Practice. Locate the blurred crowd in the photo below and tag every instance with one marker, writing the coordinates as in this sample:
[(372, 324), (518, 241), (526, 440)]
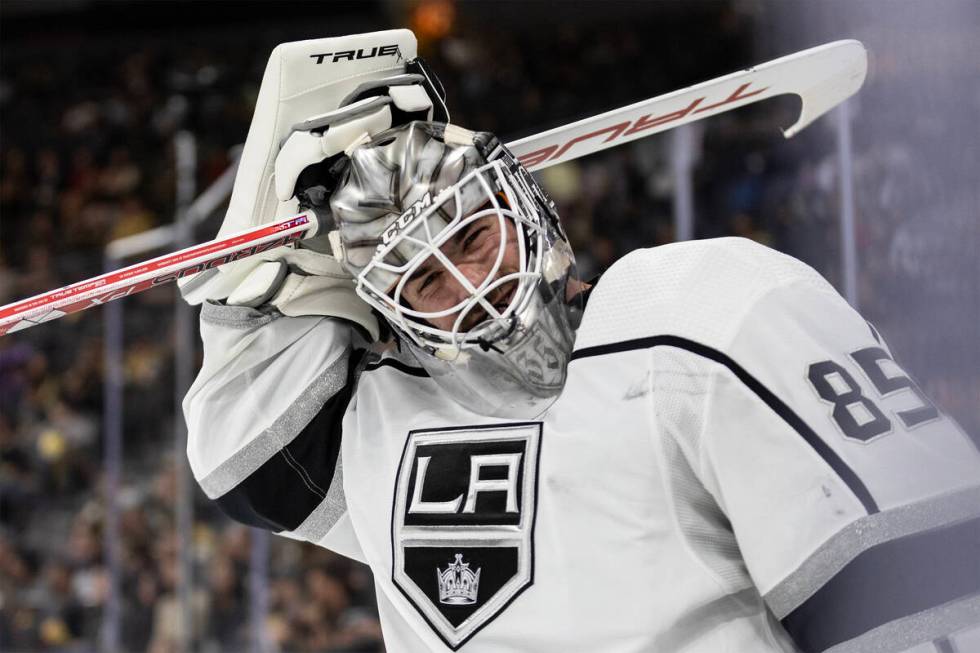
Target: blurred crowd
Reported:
[(86, 157), (54, 593)]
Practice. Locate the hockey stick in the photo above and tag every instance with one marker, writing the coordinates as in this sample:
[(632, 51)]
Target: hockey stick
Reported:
[(155, 272), (823, 77)]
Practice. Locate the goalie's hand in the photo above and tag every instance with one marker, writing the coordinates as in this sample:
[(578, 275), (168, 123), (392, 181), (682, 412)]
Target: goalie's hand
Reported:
[(310, 153), (305, 281), (309, 279)]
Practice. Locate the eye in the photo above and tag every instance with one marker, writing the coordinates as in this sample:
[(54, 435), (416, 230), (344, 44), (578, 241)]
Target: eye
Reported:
[(472, 238), (428, 280)]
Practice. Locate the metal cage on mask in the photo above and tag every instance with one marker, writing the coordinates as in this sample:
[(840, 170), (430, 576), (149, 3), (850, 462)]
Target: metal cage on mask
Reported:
[(400, 203), (490, 191)]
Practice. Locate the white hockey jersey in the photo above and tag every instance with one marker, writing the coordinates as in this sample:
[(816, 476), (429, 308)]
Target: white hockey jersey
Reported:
[(736, 464)]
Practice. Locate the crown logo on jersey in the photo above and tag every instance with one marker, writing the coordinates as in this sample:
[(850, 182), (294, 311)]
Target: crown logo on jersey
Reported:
[(458, 584)]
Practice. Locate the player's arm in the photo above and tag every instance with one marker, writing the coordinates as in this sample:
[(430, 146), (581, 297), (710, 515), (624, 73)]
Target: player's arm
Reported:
[(266, 410), (283, 333), (854, 501)]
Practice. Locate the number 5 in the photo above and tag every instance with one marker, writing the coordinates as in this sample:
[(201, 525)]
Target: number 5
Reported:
[(845, 401)]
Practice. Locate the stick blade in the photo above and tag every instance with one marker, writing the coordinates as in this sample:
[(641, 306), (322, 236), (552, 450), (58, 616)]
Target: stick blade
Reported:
[(838, 70), (823, 77)]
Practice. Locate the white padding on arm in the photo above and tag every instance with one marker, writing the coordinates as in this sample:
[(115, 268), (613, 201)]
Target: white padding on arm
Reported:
[(260, 285), (325, 295), (305, 282)]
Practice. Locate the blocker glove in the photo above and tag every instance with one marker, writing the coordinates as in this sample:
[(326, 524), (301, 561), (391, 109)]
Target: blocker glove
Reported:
[(286, 168)]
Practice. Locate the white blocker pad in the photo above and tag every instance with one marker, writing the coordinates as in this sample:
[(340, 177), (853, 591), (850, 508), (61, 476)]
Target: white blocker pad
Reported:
[(302, 79)]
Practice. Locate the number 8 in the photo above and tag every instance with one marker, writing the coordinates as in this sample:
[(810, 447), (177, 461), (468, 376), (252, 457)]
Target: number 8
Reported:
[(819, 374), (869, 360)]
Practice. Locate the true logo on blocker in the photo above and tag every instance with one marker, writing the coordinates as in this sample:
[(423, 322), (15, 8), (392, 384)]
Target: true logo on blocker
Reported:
[(463, 523)]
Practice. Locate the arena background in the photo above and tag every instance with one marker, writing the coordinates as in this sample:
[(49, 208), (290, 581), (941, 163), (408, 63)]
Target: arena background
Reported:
[(117, 115)]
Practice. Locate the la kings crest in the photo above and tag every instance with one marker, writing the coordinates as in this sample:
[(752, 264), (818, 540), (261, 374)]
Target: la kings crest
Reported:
[(462, 526)]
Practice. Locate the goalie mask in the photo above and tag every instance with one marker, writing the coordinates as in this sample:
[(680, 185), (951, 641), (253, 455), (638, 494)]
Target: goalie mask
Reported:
[(452, 241)]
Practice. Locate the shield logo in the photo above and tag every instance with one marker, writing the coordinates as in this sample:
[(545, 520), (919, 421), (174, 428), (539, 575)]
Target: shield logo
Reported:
[(463, 523)]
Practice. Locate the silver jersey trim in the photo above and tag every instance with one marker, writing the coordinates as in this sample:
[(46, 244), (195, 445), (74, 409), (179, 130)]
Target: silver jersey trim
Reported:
[(925, 626), (319, 522), (241, 464), (235, 317), (863, 534)]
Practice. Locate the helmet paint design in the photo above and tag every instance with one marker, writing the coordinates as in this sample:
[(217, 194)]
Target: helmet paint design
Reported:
[(403, 198)]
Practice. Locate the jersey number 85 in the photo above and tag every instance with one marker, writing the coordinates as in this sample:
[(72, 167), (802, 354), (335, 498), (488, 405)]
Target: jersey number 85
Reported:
[(857, 415)]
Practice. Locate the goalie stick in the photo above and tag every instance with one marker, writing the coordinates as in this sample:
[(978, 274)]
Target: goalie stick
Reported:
[(822, 77)]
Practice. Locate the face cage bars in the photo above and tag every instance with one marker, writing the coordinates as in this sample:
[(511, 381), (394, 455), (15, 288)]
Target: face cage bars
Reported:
[(529, 250)]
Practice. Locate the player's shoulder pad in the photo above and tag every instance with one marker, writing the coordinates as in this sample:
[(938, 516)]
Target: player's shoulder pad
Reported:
[(698, 289)]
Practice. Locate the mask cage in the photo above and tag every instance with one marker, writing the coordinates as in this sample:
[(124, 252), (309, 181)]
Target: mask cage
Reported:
[(492, 190)]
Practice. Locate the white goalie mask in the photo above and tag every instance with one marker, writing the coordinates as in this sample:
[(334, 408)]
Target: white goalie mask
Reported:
[(408, 206)]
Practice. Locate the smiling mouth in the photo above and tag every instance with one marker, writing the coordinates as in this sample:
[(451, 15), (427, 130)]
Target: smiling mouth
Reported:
[(503, 302), (500, 300)]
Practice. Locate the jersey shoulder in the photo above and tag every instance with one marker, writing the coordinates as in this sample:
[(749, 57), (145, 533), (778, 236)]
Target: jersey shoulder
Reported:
[(697, 289)]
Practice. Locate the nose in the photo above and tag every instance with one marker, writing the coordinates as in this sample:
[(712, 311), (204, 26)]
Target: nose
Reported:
[(475, 272)]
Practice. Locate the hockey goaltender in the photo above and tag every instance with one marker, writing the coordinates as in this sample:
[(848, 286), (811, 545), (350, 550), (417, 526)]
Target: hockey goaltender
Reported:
[(706, 450)]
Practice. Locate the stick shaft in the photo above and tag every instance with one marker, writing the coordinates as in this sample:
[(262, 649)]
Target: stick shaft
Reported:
[(155, 272)]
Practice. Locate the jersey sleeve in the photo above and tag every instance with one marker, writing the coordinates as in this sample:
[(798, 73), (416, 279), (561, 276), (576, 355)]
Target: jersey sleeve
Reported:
[(264, 421), (854, 500)]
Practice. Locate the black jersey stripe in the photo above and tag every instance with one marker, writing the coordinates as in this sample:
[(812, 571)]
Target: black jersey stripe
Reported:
[(398, 365), (843, 471), (290, 485), (864, 533), (888, 582)]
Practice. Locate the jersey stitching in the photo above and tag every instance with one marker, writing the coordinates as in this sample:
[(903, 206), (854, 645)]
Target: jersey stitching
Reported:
[(237, 467), (708, 405), (725, 587), (719, 581), (242, 318), (835, 462), (301, 473), (309, 477)]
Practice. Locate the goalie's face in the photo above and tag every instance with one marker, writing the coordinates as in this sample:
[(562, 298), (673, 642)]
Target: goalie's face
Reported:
[(458, 248), (434, 288), (452, 270)]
